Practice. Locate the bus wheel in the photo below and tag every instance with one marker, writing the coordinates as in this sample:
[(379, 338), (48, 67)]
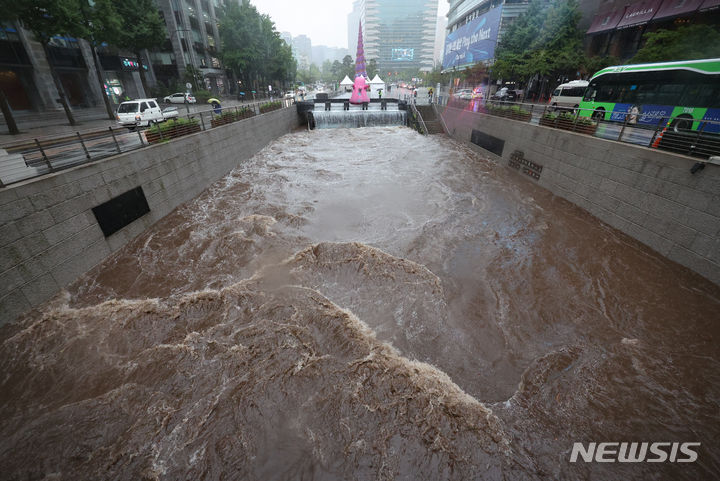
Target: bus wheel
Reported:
[(682, 124), (599, 114)]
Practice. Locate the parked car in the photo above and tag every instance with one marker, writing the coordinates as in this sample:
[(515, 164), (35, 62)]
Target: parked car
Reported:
[(180, 98), (170, 113), (138, 113), (465, 94), (289, 95), (507, 94)]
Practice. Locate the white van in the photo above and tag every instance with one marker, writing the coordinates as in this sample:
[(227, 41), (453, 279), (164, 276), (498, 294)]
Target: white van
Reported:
[(139, 113), (568, 96)]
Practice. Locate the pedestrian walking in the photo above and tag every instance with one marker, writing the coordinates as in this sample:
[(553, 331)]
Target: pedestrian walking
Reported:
[(430, 95), (215, 105)]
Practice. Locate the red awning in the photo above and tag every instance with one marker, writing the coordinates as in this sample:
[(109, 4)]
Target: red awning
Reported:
[(709, 5), (639, 13), (674, 8), (606, 21)]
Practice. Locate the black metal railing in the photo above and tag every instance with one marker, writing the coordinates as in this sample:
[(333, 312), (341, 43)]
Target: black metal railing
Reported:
[(415, 119), (681, 134), (42, 156)]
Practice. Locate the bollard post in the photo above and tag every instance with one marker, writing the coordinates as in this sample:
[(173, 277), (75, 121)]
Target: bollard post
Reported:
[(697, 138), (45, 157), (622, 131), (117, 146), (87, 154), (577, 114)]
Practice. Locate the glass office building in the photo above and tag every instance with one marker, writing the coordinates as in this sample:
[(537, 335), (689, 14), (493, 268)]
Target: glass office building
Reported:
[(465, 14), (399, 34)]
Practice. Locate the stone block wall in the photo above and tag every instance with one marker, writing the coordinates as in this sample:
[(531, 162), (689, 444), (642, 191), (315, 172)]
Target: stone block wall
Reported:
[(49, 235), (646, 193)]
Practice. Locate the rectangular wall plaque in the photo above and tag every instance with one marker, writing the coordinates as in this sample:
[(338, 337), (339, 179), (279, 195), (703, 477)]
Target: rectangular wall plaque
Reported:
[(120, 211), (528, 167)]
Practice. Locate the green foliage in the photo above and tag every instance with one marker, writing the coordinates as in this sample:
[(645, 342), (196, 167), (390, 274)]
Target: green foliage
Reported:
[(202, 96), (142, 26), (545, 42), (595, 64), (47, 18), (252, 48), (513, 111), (310, 75), (567, 117), (436, 76), (348, 68), (372, 68), (268, 106), (232, 115), (171, 124), (686, 43), (102, 22), (192, 76)]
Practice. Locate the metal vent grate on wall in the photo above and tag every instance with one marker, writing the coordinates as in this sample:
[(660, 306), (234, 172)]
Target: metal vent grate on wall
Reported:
[(120, 211), (488, 142)]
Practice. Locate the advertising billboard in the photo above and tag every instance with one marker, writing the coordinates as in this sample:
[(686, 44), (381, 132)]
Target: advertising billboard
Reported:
[(474, 41), (403, 54)]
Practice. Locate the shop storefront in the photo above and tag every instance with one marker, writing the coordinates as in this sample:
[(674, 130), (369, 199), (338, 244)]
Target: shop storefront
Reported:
[(120, 80)]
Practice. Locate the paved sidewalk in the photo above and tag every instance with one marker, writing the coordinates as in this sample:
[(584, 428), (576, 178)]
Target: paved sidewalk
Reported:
[(53, 124)]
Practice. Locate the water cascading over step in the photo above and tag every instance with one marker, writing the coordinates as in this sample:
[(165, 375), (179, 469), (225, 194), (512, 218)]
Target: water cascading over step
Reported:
[(359, 118)]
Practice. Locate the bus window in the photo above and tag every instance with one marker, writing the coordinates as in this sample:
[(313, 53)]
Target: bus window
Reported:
[(669, 94), (646, 93), (590, 93), (701, 95), (607, 93)]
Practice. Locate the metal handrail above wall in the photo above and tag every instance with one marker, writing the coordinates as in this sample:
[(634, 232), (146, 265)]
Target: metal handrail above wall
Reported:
[(43, 156)]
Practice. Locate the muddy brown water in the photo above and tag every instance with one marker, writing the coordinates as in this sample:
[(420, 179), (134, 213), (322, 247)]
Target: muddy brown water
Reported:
[(365, 304)]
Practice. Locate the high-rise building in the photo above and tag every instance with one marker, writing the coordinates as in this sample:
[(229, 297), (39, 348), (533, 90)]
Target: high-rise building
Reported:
[(193, 40), (302, 48), (439, 40), (474, 27), (353, 19), (399, 34), (321, 53)]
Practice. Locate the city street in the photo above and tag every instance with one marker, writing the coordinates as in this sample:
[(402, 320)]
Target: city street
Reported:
[(46, 125)]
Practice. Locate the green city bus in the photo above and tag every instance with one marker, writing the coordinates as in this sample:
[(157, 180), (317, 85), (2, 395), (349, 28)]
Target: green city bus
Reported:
[(651, 94)]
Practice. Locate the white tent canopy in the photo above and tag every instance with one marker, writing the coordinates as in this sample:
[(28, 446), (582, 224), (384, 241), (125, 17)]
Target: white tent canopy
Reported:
[(376, 84), (346, 81)]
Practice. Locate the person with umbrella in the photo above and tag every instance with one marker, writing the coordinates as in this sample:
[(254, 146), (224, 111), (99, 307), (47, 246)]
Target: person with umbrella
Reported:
[(215, 104)]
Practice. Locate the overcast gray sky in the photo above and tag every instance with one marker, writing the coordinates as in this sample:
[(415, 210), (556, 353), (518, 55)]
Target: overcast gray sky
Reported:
[(325, 22)]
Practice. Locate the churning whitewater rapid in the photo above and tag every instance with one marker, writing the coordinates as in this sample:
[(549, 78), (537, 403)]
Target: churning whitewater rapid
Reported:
[(365, 304)]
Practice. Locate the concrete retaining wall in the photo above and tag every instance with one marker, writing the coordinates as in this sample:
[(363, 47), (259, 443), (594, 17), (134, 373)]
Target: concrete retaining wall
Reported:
[(48, 233), (646, 193)]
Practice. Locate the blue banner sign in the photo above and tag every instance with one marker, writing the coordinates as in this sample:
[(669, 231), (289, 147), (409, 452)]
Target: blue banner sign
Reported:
[(474, 41), (646, 114), (714, 115)]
